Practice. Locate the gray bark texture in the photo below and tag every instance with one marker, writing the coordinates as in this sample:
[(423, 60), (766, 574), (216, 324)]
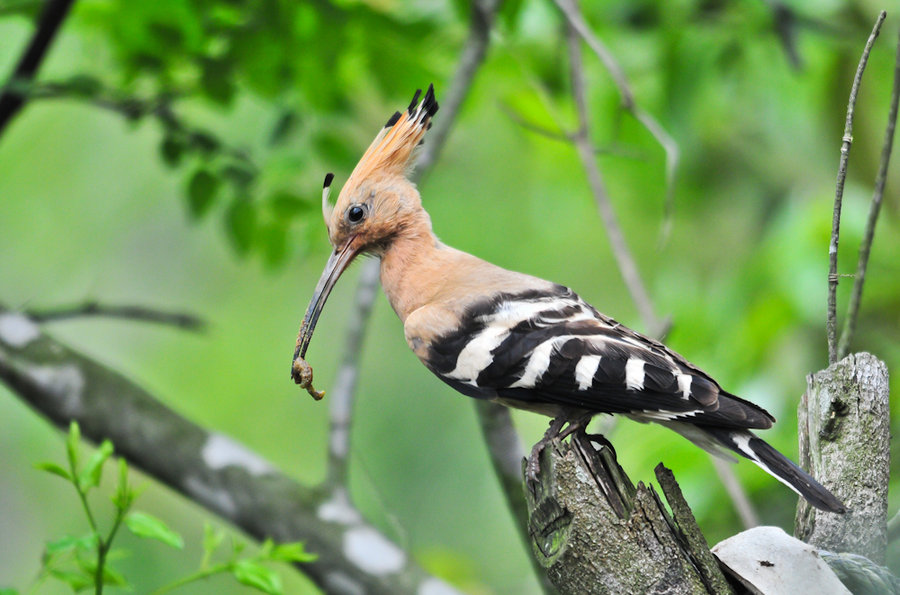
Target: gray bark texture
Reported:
[(209, 468), (845, 444), (595, 532)]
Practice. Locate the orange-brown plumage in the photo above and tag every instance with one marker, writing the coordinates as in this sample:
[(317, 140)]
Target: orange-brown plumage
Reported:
[(496, 334)]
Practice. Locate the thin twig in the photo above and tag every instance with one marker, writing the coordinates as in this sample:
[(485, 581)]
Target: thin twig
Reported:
[(581, 139), (181, 320), (574, 18), (482, 20), (496, 424), (472, 57), (51, 19), (565, 137), (846, 142), (516, 117), (628, 268), (736, 492), (341, 396), (874, 209)]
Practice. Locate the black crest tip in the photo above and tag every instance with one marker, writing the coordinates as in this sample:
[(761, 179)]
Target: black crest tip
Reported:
[(392, 120), (328, 179), (415, 100), (429, 103)]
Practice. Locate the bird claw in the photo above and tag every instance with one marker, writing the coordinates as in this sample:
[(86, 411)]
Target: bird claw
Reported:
[(533, 465), (302, 373)]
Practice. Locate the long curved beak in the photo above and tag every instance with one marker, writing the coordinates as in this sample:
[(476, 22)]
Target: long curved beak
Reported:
[(337, 264)]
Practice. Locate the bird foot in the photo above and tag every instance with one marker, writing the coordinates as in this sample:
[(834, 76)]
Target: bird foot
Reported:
[(553, 433)]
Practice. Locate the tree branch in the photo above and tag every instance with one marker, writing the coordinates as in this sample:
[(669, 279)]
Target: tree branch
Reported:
[(11, 101), (341, 397), (846, 142), (845, 443), (504, 448), (565, 137), (575, 20), (142, 313), (625, 261), (582, 141), (595, 531), (209, 468), (874, 209)]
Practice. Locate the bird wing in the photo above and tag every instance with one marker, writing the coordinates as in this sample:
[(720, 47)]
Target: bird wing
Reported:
[(549, 348)]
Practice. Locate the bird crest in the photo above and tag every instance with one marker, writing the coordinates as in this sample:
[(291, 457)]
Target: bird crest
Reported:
[(393, 151)]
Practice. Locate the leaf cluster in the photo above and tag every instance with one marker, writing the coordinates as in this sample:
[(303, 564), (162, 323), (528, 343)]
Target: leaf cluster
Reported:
[(82, 561)]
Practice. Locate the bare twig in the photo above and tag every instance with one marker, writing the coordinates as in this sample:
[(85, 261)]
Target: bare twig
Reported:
[(181, 320), (573, 16), (516, 117), (133, 108), (582, 141), (874, 209), (482, 20), (655, 326), (496, 423), (473, 55), (565, 137), (846, 141), (51, 19), (736, 492), (341, 396)]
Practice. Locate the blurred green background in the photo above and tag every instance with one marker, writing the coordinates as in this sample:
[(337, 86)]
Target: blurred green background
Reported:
[(219, 216)]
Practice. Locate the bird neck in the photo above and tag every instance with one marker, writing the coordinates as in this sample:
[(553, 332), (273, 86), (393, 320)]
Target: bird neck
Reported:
[(411, 266)]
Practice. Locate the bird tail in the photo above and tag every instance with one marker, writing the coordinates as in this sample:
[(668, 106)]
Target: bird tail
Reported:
[(749, 445)]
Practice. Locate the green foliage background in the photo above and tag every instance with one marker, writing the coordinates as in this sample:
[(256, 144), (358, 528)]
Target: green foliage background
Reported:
[(176, 159)]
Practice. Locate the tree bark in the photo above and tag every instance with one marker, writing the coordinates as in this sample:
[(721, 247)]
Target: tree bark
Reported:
[(595, 532), (845, 443), (209, 468)]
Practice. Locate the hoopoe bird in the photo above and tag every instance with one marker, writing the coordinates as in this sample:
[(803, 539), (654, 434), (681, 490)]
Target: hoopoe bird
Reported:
[(495, 334)]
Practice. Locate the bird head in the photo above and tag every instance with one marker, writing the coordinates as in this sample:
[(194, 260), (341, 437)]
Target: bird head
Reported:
[(374, 205)]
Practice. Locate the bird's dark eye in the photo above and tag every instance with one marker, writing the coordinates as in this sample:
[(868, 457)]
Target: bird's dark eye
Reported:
[(356, 213)]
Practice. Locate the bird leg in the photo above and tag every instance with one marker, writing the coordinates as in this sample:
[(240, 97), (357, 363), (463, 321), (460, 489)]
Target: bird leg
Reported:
[(554, 432)]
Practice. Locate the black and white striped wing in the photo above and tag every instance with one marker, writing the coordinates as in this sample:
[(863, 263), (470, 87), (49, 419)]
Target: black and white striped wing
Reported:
[(550, 349)]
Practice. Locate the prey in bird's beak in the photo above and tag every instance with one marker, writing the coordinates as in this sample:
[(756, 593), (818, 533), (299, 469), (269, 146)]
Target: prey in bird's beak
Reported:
[(372, 203), (337, 263)]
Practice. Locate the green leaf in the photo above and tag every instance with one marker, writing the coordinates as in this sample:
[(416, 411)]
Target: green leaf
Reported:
[(202, 191), (124, 496), (287, 122), (240, 173), (69, 542), (285, 205), (148, 526), (54, 469), (77, 580), (113, 577), (212, 538), (240, 223), (84, 85), (254, 574), (291, 552), (72, 443), (171, 149), (273, 239), (93, 469), (204, 141), (4, 591), (217, 79)]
